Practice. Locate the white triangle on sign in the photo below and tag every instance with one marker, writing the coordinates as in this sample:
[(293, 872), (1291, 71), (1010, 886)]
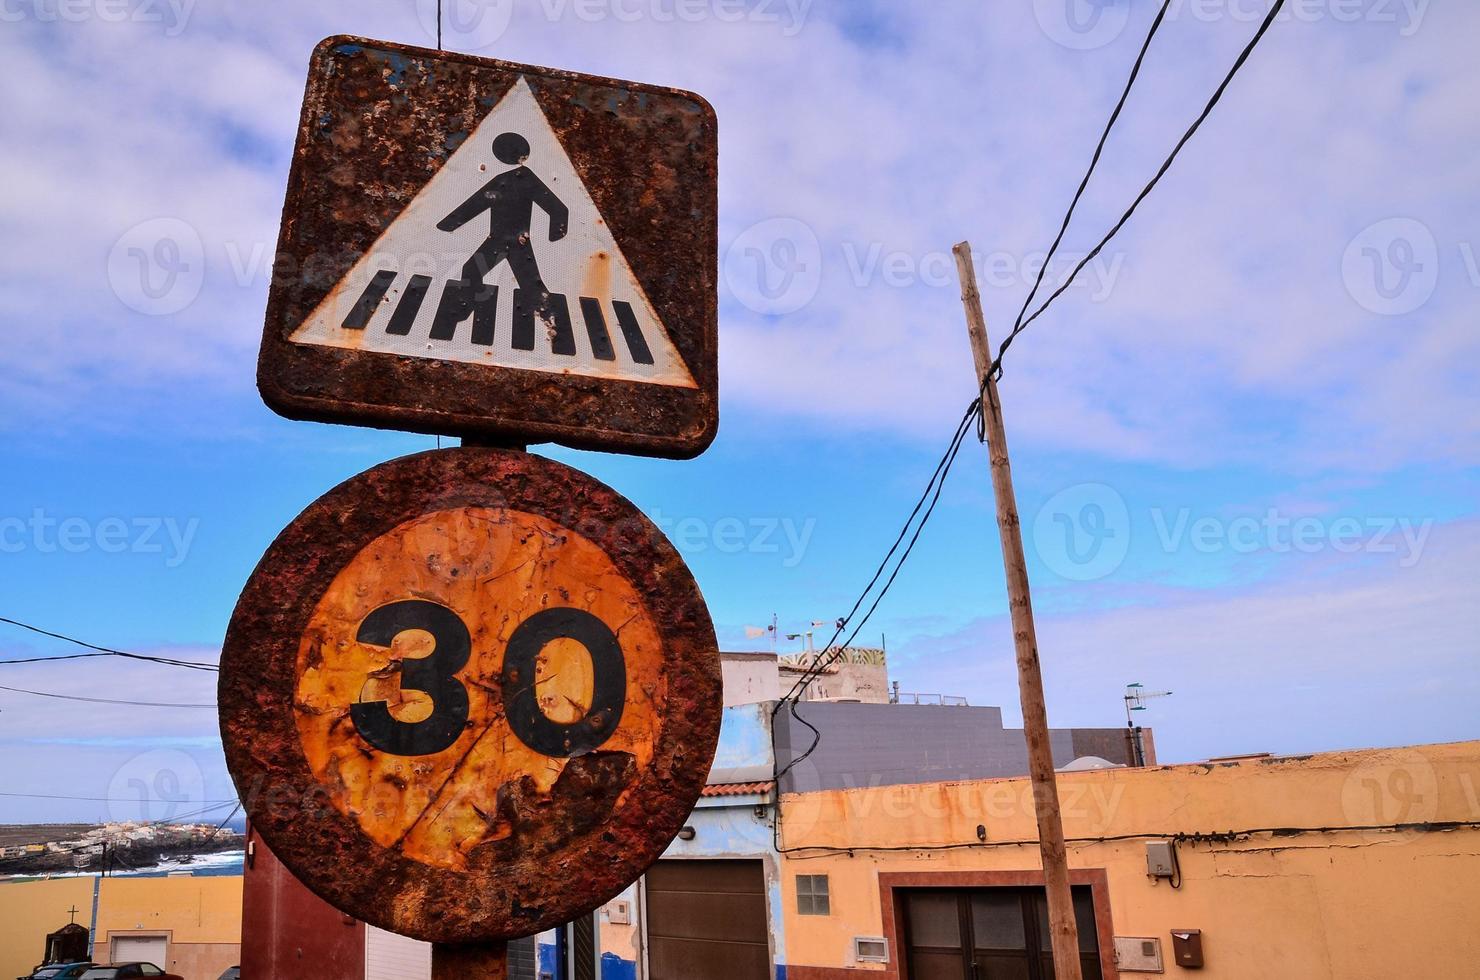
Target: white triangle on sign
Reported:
[(469, 271)]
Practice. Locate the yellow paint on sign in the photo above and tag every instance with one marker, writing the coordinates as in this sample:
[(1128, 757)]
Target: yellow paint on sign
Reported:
[(494, 568)]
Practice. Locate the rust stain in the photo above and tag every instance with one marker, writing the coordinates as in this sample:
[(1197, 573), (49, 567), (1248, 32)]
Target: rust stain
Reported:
[(597, 282)]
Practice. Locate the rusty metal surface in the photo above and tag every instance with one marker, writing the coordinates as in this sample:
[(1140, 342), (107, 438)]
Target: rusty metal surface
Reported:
[(379, 120), (494, 834)]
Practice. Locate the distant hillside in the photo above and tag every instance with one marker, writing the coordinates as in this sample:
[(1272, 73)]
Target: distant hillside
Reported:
[(16, 834)]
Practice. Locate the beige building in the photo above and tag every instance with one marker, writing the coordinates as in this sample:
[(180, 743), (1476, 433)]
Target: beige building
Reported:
[(1359, 865), (186, 925), (859, 674), (1346, 866)]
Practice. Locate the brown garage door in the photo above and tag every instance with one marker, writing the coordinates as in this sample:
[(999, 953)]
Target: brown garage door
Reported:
[(706, 920)]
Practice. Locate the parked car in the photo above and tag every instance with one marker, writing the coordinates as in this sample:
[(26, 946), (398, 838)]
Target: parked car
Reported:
[(58, 971), (128, 971), (231, 973)]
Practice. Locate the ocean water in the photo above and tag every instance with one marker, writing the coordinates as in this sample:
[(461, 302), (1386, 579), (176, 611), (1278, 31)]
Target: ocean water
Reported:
[(220, 864)]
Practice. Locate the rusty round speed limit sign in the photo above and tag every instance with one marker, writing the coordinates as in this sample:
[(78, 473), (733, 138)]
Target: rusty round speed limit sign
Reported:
[(469, 695)]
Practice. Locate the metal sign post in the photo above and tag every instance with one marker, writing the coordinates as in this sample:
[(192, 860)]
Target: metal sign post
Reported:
[(1062, 927)]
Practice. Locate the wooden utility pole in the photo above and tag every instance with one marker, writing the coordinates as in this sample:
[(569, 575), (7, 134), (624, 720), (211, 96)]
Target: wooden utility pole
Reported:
[(1062, 928)]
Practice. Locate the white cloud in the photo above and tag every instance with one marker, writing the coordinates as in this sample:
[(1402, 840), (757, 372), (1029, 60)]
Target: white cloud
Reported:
[(907, 133), (1325, 653)]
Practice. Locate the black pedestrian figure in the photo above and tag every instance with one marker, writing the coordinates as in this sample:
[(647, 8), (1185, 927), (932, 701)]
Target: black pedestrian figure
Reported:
[(510, 199)]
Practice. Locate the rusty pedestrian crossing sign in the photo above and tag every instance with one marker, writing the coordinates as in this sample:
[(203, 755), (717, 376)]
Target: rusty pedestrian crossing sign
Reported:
[(483, 249)]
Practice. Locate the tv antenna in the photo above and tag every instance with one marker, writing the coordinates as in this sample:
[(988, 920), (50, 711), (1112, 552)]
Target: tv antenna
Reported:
[(1136, 697)]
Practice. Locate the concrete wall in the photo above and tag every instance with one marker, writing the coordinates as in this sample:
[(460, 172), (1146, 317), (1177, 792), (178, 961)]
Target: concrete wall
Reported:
[(1318, 905), (201, 916), (885, 744), (31, 909), (749, 678), (744, 751), (868, 683)]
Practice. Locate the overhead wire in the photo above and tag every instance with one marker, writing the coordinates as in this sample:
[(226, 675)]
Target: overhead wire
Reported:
[(1094, 161), (214, 804), (932, 491), (1023, 323), (78, 697), (1180, 837), (937, 480), (217, 829), (922, 510), (100, 651)]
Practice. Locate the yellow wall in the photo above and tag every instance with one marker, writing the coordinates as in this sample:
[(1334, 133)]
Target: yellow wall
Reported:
[(29, 910), (201, 916), (1343, 906), (193, 910)]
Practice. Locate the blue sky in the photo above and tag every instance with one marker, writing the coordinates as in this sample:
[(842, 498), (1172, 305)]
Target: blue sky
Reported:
[(1245, 446)]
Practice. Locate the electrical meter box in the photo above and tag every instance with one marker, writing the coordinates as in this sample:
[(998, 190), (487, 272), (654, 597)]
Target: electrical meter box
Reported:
[(1160, 861), (1138, 954)]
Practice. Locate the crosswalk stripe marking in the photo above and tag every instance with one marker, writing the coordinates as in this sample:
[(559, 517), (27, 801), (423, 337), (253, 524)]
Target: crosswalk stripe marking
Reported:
[(601, 340), (409, 306), (636, 343), (525, 317), (362, 311), (459, 301), (485, 305)]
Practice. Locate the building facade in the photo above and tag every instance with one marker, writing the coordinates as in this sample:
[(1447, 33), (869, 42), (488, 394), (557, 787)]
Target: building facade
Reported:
[(186, 925), (1344, 866)]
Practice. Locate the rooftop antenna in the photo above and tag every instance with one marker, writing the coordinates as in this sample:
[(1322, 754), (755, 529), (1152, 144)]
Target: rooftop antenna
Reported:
[(1136, 697), (753, 632)]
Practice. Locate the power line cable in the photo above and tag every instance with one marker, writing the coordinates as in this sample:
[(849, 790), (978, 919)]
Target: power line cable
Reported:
[(946, 463), (937, 479), (212, 835), (1094, 161), (820, 663), (1023, 324), (100, 651), (1213, 837), (995, 369), (108, 799), (78, 697)]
